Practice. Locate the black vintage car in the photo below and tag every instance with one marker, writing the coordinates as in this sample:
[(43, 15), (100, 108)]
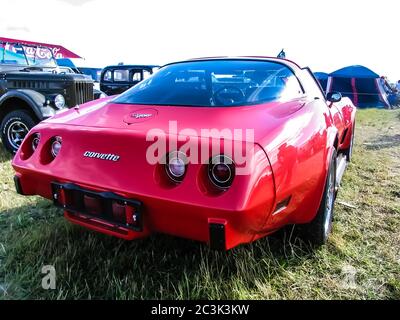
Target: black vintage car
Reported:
[(119, 78), (32, 88)]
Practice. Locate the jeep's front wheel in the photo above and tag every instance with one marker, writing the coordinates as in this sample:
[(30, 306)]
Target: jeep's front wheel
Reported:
[(14, 127)]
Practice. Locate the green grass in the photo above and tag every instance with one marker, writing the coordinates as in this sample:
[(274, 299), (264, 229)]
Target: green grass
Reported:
[(365, 242)]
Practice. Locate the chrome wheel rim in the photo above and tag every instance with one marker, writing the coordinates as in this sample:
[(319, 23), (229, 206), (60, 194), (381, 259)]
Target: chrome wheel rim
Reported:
[(16, 133), (330, 197)]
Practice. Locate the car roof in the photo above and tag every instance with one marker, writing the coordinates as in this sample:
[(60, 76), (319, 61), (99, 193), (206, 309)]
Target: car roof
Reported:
[(131, 66), (289, 63)]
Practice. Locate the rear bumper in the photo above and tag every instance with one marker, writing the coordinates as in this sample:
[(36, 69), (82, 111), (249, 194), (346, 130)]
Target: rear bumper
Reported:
[(222, 229)]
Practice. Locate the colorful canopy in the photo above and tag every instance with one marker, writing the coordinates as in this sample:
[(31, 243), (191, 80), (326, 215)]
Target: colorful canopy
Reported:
[(58, 51)]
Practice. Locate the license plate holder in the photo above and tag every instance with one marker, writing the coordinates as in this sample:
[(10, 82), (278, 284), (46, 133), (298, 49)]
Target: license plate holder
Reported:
[(72, 198)]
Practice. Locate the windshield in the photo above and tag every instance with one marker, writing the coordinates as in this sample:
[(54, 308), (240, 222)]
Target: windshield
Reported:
[(39, 56), (216, 83), (26, 55)]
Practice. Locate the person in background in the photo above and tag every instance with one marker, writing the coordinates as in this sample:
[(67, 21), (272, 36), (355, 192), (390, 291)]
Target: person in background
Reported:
[(397, 100), (282, 54), (390, 92), (386, 84)]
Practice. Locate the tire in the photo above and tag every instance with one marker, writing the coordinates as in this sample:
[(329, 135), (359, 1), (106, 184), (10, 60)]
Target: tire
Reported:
[(349, 151), (14, 127), (318, 230)]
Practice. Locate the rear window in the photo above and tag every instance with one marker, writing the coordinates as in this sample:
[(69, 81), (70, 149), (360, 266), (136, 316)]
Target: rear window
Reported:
[(121, 75), (216, 83)]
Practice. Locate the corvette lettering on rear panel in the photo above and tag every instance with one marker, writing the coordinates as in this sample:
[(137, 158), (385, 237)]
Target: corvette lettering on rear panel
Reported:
[(101, 156)]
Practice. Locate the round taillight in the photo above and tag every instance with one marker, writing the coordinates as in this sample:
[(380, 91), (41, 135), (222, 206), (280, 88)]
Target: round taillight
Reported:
[(35, 141), (55, 146), (221, 171), (176, 166)]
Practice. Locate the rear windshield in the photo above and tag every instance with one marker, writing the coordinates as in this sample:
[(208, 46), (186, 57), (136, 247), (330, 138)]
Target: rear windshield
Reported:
[(216, 83)]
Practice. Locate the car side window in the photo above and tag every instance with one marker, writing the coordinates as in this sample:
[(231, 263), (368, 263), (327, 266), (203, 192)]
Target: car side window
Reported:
[(121, 75), (146, 74), (136, 76), (311, 85), (108, 75)]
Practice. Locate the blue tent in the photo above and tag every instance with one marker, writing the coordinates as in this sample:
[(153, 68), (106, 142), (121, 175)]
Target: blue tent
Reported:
[(322, 78), (363, 86), (354, 72)]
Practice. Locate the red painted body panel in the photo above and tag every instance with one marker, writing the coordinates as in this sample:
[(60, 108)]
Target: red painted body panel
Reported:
[(292, 145)]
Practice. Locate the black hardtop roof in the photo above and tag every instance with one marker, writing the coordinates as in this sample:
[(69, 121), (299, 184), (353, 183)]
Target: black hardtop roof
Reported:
[(132, 66)]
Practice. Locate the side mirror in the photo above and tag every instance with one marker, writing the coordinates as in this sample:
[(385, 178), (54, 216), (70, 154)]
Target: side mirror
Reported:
[(334, 97)]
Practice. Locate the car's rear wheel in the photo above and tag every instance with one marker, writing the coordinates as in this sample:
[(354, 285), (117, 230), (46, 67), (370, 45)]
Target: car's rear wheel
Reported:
[(318, 230), (14, 127)]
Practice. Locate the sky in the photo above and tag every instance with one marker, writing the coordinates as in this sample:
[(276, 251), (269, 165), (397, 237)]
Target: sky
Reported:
[(324, 35)]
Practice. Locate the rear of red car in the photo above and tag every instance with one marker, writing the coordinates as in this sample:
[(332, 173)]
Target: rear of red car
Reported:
[(103, 180), (143, 162)]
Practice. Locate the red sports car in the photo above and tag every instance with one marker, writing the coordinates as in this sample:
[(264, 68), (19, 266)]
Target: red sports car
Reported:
[(220, 150)]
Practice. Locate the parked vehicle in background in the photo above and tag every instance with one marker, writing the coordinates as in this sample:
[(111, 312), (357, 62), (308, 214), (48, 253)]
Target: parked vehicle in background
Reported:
[(94, 73), (33, 88), (119, 78)]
